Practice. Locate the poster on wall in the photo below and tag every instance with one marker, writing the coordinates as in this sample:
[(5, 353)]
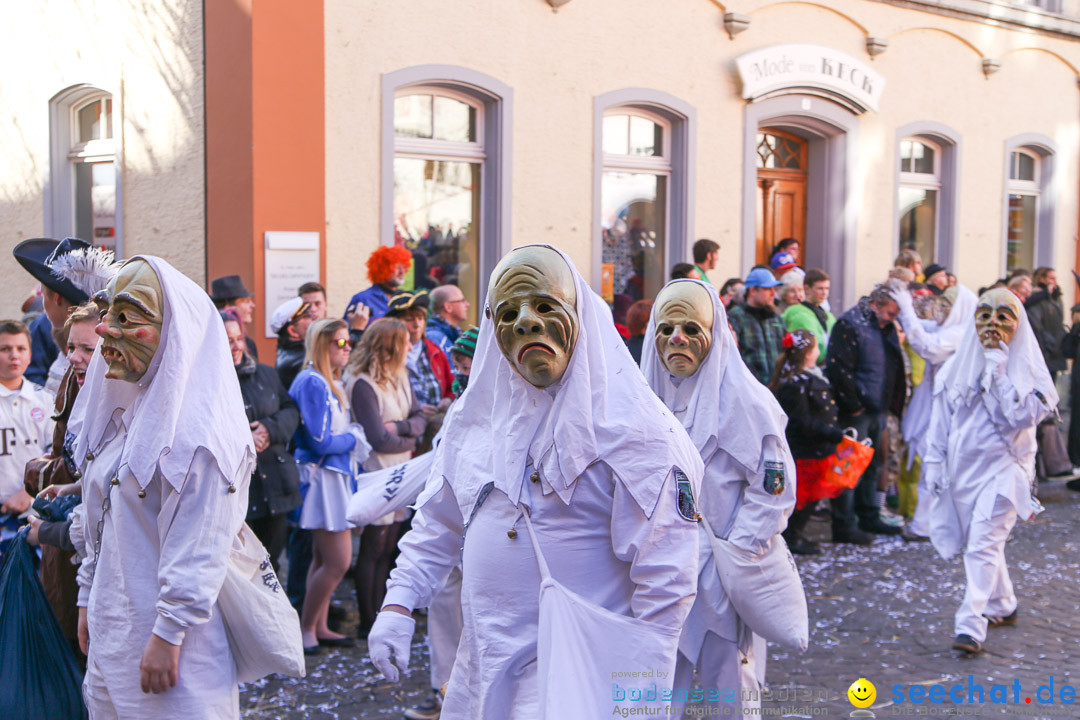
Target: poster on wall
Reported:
[(607, 282), (291, 259)]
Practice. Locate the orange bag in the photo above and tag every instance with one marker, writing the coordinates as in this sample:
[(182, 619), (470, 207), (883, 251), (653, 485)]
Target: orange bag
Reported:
[(829, 476)]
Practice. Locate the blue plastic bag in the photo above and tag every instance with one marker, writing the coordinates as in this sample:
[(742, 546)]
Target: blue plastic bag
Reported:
[(41, 679)]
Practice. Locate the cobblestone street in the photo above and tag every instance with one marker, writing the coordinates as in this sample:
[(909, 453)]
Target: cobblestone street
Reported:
[(884, 613)]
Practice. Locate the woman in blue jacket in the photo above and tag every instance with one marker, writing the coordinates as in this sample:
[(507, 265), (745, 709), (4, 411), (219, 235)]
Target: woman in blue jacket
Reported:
[(327, 444)]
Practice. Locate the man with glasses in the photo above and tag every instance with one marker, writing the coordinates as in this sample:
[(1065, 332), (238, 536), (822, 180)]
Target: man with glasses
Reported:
[(449, 309), (290, 321)]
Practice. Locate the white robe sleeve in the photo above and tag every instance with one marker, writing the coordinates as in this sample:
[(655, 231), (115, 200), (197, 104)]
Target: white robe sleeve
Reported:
[(1019, 412), (196, 528), (85, 550), (428, 552), (662, 552), (763, 514), (937, 435), (934, 348)]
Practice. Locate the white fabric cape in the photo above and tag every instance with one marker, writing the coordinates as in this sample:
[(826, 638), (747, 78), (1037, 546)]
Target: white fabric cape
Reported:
[(188, 399), (722, 405), (961, 375), (601, 411)]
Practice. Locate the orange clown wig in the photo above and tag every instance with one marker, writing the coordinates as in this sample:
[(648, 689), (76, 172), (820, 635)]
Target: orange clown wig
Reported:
[(381, 263)]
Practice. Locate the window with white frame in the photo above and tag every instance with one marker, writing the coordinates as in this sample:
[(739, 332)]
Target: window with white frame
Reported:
[(1022, 221), (634, 200), (920, 190), (83, 179), (439, 156)]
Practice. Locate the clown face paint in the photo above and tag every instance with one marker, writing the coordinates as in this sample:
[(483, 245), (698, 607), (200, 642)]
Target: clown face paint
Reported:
[(997, 317), (533, 302), (684, 320), (131, 309)]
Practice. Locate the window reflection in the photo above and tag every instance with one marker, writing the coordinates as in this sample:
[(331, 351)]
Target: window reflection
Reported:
[(436, 211), (633, 228), (918, 214), (1020, 241)]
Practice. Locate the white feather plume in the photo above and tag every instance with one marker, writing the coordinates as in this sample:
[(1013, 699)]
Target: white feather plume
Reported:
[(89, 269)]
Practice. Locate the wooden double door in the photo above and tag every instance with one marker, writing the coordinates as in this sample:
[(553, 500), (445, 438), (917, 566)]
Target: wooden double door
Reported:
[(781, 191)]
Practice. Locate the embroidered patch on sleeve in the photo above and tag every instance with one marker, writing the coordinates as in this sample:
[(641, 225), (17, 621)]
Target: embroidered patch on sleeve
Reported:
[(687, 505), (774, 477)]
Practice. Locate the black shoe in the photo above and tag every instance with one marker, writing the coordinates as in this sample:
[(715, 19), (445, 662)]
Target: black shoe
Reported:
[(878, 527), (912, 537), (338, 642), (799, 545), (967, 644), (855, 536), (1002, 620), (313, 650), (1073, 485)]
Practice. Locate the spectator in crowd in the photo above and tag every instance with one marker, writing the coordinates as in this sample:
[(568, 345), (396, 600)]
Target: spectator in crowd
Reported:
[(290, 322), (26, 425), (1020, 285), (429, 368), (683, 270), (273, 417), (809, 314), (70, 272), (866, 368), (781, 263), (386, 267), (813, 429), (327, 445), (937, 278), (52, 470), (314, 294), (732, 292), (705, 254), (791, 293), (462, 355), (758, 329), (228, 291), (637, 320), (910, 259), (449, 309), (788, 245), (1046, 314), (1070, 348), (384, 405), (951, 280)]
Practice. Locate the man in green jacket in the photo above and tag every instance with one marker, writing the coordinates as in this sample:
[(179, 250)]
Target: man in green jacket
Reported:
[(809, 314)]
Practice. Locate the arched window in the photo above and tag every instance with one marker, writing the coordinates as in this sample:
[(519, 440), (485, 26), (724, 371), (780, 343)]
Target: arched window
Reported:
[(446, 174), (1022, 224), (634, 201), (83, 198), (920, 187), (438, 165)]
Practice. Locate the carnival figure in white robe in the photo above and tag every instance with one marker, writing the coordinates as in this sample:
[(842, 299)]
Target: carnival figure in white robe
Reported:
[(565, 488), (690, 359), (980, 457), (165, 455), (934, 341)]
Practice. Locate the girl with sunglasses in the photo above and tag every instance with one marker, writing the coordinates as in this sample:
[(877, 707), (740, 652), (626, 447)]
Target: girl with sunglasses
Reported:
[(327, 447)]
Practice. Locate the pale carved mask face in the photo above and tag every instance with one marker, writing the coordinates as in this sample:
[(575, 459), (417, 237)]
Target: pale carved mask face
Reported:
[(684, 324), (533, 303), (131, 309), (997, 317), (946, 301)]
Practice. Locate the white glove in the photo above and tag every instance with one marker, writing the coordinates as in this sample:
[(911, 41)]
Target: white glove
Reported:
[(391, 635), (935, 478), (902, 296), (362, 449)]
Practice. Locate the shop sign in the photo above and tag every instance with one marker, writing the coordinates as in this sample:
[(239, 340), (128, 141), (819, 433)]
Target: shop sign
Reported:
[(803, 66), (290, 260)]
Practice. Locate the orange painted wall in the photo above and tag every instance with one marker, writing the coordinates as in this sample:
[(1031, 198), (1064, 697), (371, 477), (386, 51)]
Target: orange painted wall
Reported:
[(266, 139)]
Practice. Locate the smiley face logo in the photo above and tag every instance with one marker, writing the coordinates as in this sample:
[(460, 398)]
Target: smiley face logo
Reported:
[(862, 693)]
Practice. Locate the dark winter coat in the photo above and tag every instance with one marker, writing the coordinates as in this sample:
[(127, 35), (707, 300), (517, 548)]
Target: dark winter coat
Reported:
[(813, 429), (275, 484), (865, 364), (289, 360), (1046, 314)]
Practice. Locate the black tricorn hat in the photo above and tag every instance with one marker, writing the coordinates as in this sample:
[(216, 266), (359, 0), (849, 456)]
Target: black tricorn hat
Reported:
[(228, 287), (38, 255)]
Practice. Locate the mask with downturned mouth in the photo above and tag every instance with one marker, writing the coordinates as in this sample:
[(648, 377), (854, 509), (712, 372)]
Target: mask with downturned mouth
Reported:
[(130, 309), (532, 300), (684, 324), (997, 318)]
